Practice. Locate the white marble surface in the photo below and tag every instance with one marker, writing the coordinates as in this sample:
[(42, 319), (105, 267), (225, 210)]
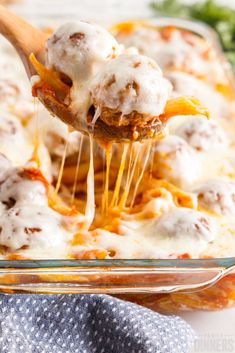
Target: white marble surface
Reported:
[(216, 330)]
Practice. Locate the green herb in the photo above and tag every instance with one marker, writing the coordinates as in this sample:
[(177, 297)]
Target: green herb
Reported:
[(221, 18)]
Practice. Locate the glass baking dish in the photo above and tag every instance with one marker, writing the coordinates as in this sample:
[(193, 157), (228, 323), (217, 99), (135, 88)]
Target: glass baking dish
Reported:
[(163, 285)]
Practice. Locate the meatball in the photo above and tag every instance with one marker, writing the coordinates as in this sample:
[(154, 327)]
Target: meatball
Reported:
[(5, 164), (202, 134), (217, 196), (176, 161), (182, 230), (16, 187), (170, 47), (185, 84), (36, 227), (77, 49), (9, 91), (145, 39), (14, 143), (130, 90)]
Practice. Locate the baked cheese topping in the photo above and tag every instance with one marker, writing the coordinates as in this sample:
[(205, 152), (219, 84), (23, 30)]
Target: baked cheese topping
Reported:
[(172, 48), (62, 195), (173, 156), (78, 49)]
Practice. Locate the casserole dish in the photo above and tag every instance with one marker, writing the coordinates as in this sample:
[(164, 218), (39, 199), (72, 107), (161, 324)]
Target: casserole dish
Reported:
[(165, 285)]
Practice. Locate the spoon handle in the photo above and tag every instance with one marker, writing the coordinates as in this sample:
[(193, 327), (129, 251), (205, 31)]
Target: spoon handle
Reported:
[(25, 38)]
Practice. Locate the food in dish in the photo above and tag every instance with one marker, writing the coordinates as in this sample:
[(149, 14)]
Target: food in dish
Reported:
[(95, 85), (68, 195)]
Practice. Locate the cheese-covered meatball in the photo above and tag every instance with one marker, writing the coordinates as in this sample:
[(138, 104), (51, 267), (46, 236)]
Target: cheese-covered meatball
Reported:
[(202, 134), (168, 52), (130, 84), (36, 227), (217, 196), (5, 164), (18, 186), (9, 91), (77, 49), (185, 84), (183, 230), (170, 47), (145, 39), (176, 161), (14, 142)]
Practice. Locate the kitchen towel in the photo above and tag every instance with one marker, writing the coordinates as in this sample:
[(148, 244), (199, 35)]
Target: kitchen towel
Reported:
[(87, 324)]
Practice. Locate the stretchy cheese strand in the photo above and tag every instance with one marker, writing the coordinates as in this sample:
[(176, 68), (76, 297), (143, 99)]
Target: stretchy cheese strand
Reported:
[(90, 203), (58, 184), (77, 169), (119, 177), (108, 157), (149, 144)]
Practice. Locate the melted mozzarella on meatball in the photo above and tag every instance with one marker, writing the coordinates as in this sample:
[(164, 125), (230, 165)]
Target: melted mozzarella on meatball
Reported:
[(202, 134), (176, 161), (171, 48), (37, 227), (217, 196), (5, 164), (16, 188), (14, 142), (185, 84), (9, 91), (77, 49), (182, 230), (131, 83), (26, 222)]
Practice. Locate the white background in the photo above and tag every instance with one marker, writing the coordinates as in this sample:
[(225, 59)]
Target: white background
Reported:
[(216, 330)]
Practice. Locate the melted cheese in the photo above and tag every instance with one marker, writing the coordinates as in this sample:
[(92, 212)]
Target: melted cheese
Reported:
[(108, 155), (202, 134), (177, 162), (177, 231), (77, 169), (79, 50), (131, 83), (187, 84), (90, 204), (58, 184), (119, 177), (12, 134), (15, 188), (146, 160), (165, 221), (218, 196), (38, 228), (174, 49)]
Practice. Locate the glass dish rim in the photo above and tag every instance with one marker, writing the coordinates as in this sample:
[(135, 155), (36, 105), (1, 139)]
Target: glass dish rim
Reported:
[(116, 263)]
